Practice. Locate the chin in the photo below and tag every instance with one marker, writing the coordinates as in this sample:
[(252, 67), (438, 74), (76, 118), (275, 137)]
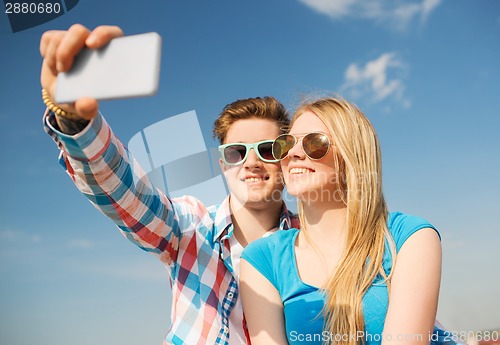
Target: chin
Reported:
[(310, 195), (256, 205), (257, 198), (266, 198), (297, 190)]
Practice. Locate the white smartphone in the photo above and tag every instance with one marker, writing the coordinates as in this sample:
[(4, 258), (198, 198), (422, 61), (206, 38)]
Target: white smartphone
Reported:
[(126, 67)]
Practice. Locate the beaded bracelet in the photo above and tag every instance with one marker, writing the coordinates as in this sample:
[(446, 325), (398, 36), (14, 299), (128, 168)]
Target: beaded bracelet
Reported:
[(58, 111)]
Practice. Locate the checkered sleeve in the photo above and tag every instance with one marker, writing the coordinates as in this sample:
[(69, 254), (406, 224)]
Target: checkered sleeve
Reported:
[(99, 165)]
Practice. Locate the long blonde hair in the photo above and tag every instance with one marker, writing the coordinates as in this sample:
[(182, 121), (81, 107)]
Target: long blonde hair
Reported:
[(360, 168)]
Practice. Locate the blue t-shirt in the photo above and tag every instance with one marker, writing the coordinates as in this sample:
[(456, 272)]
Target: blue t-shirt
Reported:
[(274, 257)]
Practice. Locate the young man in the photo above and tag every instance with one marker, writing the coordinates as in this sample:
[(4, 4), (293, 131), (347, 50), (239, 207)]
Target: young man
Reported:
[(200, 246)]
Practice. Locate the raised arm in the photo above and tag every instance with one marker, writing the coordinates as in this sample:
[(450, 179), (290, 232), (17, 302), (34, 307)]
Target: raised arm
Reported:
[(414, 290), (98, 162), (262, 307), (59, 49)]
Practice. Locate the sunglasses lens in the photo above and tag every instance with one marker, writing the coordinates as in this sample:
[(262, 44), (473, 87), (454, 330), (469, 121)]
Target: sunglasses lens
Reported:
[(282, 145), (266, 151), (234, 154), (316, 145)]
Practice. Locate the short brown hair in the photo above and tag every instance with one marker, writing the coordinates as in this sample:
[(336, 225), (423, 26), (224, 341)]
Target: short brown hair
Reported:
[(261, 108)]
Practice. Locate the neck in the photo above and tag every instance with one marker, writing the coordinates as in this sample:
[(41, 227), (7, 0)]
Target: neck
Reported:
[(252, 223), (326, 223)]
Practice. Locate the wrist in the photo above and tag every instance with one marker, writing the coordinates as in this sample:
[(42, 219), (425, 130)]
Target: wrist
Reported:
[(70, 127), (53, 107)]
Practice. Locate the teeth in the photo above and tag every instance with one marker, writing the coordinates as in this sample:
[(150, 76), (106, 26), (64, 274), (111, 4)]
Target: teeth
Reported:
[(253, 179), (299, 171)]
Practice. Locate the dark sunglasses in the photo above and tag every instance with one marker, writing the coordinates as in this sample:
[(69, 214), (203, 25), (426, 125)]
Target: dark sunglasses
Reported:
[(315, 145), (237, 153)]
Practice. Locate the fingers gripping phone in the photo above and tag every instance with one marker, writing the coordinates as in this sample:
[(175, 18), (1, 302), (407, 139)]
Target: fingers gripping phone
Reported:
[(126, 67)]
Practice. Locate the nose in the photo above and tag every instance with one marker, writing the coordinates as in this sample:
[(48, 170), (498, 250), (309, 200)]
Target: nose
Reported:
[(296, 151), (252, 160)]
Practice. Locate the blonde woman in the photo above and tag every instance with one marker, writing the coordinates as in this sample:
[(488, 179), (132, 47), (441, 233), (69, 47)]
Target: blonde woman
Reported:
[(355, 273)]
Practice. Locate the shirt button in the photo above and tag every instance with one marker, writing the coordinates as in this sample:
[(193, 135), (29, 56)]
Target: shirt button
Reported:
[(226, 330), (230, 295)]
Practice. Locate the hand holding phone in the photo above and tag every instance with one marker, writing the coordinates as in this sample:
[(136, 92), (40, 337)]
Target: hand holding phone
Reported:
[(59, 50), (126, 67)]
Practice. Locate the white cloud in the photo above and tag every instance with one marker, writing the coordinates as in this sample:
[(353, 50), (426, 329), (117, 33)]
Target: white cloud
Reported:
[(80, 243), (18, 245), (16, 236), (334, 9), (8, 235), (372, 80), (396, 13), (133, 269), (428, 6)]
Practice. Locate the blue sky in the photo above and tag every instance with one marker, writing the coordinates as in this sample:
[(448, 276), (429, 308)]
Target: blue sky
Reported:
[(426, 73)]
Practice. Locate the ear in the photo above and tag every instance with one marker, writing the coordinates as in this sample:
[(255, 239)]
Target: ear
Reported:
[(223, 167)]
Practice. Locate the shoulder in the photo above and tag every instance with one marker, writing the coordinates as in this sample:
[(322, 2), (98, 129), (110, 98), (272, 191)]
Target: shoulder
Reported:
[(402, 226), (269, 250), (269, 245), (190, 205), (193, 216), (268, 254)]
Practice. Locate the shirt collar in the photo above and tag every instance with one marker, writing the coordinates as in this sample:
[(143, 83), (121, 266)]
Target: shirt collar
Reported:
[(224, 222), (288, 219)]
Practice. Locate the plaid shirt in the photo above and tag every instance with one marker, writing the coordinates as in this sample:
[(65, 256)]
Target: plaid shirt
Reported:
[(189, 238)]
